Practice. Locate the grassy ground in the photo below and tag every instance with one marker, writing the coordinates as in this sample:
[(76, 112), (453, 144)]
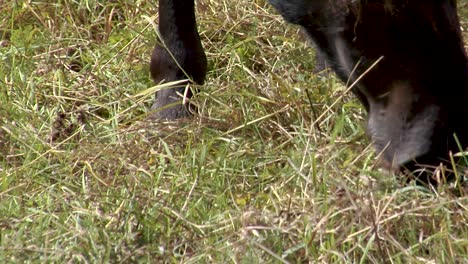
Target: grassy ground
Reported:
[(275, 169)]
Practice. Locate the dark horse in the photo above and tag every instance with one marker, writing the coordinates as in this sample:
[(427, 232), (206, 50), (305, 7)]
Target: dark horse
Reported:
[(406, 60)]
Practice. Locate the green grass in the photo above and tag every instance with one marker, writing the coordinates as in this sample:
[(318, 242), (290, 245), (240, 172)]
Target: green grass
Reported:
[(255, 178)]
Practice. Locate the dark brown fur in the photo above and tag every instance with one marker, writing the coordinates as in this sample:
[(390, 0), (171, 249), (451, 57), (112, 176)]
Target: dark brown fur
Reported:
[(406, 57), (179, 56)]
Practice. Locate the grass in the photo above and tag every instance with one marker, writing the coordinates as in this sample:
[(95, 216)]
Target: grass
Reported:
[(255, 178)]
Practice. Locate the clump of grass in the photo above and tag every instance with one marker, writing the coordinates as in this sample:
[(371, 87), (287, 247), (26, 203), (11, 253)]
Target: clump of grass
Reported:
[(256, 177)]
